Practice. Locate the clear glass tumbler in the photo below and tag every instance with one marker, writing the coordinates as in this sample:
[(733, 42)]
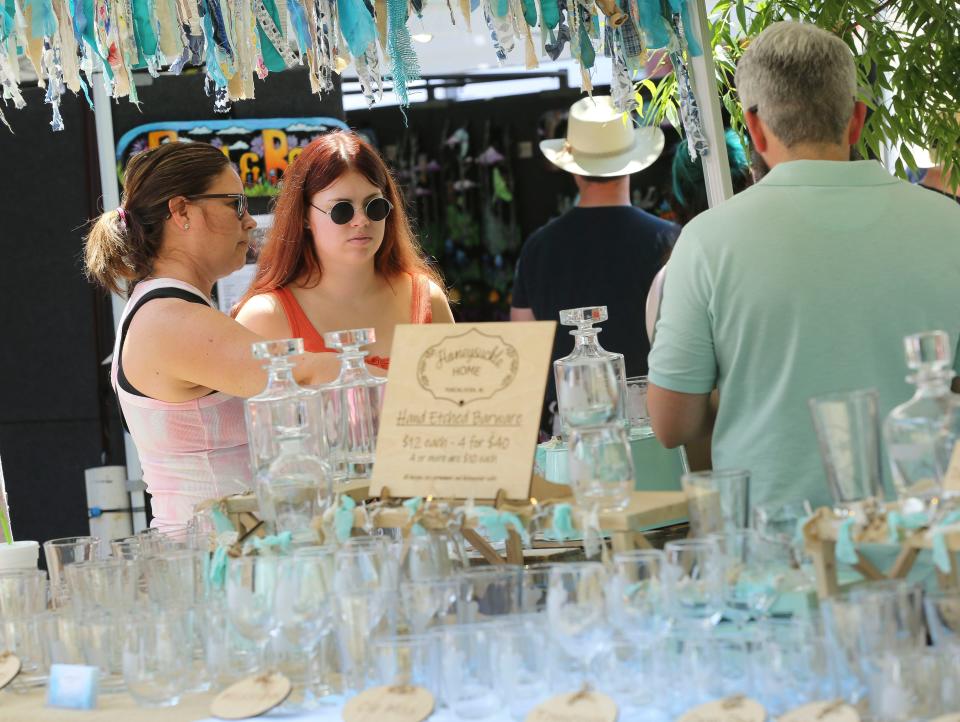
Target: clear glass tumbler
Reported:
[(848, 431)]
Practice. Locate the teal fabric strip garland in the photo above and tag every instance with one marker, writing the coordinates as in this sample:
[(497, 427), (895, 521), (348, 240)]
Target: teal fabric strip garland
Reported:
[(357, 25), (405, 66)]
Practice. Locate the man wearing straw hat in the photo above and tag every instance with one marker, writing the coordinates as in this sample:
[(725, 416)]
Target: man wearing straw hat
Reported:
[(803, 284), (602, 252)]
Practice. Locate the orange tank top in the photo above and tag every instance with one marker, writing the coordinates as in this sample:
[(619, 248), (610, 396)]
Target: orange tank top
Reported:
[(301, 327)]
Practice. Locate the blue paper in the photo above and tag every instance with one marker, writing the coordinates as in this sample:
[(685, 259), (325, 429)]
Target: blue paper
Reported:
[(73, 686)]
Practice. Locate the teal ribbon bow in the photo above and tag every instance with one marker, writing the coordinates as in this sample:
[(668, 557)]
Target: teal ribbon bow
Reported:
[(413, 506), (846, 551), (217, 571), (496, 523), (343, 518), (897, 521), (561, 528), (276, 542), (941, 555)]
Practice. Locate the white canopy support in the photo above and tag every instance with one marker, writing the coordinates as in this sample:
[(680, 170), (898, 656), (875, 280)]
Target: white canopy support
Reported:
[(106, 155), (716, 166)]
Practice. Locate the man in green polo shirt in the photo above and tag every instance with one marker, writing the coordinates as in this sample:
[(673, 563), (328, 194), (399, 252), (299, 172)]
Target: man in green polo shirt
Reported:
[(803, 284)]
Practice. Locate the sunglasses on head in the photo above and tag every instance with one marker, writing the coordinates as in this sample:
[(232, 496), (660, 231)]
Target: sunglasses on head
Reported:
[(376, 209), (239, 200)]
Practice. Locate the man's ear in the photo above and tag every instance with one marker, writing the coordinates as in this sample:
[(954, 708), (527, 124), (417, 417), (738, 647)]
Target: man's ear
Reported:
[(855, 127), (755, 129)]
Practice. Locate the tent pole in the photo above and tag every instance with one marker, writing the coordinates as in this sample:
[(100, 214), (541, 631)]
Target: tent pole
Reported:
[(106, 156), (716, 166)]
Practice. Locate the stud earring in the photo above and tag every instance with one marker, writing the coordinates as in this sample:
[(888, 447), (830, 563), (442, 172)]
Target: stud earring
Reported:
[(186, 226)]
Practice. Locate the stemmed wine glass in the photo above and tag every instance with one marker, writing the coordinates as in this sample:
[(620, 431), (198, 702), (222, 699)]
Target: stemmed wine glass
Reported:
[(577, 610)]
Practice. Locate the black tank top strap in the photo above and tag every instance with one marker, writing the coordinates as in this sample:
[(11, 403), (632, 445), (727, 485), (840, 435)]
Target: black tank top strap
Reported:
[(169, 292)]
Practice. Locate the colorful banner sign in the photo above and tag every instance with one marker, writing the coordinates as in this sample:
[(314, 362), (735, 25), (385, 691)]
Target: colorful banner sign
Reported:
[(260, 149)]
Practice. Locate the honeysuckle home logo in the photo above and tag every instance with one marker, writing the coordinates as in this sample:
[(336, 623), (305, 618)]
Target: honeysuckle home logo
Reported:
[(469, 367)]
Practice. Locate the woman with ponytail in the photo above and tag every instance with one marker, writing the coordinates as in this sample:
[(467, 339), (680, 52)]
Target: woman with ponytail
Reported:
[(180, 367), (341, 254)]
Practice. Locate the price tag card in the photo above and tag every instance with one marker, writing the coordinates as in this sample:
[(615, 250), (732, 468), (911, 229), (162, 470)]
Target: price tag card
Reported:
[(9, 668), (73, 686), (731, 709), (583, 706), (824, 711), (399, 703), (462, 409), (251, 697)]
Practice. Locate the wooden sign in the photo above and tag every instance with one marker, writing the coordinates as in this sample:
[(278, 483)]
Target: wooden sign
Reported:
[(583, 706), (825, 711), (462, 410), (399, 703), (731, 709), (9, 668), (251, 697)]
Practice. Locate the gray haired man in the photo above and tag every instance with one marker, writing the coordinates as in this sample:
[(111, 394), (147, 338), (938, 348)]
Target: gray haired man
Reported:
[(805, 283)]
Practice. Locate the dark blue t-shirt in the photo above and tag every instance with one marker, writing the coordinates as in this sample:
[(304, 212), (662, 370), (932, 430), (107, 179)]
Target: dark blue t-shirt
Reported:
[(600, 256)]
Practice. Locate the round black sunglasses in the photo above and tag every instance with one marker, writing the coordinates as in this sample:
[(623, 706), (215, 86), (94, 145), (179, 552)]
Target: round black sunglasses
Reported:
[(377, 209)]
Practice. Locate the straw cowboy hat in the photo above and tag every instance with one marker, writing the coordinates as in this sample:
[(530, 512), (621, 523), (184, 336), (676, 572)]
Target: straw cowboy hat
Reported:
[(599, 142)]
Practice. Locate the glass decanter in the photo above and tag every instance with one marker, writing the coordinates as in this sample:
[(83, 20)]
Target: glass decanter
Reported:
[(591, 381), (351, 406), (282, 410), (921, 433), (296, 487)]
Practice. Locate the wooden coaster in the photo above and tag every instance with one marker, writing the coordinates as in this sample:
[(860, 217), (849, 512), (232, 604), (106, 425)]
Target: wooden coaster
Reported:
[(9, 668), (583, 706), (397, 703), (251, 697), (731, 709), (823, 711)]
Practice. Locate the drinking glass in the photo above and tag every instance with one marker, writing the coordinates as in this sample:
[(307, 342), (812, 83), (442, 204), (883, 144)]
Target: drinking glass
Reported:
[(754, 573), (153, 649), (23, 593), (718, 500), (103, 584), (600, 467), (429, 556), (943, 617), (177, 575), (305, 610), (359, 615), (407, 659), (618, 674), (637, 415), (521, 664), (130, 547), (784, 521), (639, 597), (63, 552), (694, 582), (102, 632), (577, 610), (466, 672), (534, 585), (427, 602), (489, 592), (251, 589), (848, 431)]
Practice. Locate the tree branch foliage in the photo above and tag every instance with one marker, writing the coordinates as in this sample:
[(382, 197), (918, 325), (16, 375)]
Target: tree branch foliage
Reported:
[(908, 67)]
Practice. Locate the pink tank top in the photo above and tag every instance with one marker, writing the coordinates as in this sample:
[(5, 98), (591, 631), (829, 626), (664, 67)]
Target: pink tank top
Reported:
[(190, 450)]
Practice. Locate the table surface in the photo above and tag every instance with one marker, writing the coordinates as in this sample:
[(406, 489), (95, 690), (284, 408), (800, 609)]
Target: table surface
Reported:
[(120, 707)]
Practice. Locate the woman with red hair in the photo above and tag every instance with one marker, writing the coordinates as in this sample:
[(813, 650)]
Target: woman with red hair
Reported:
[(341, 254)]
